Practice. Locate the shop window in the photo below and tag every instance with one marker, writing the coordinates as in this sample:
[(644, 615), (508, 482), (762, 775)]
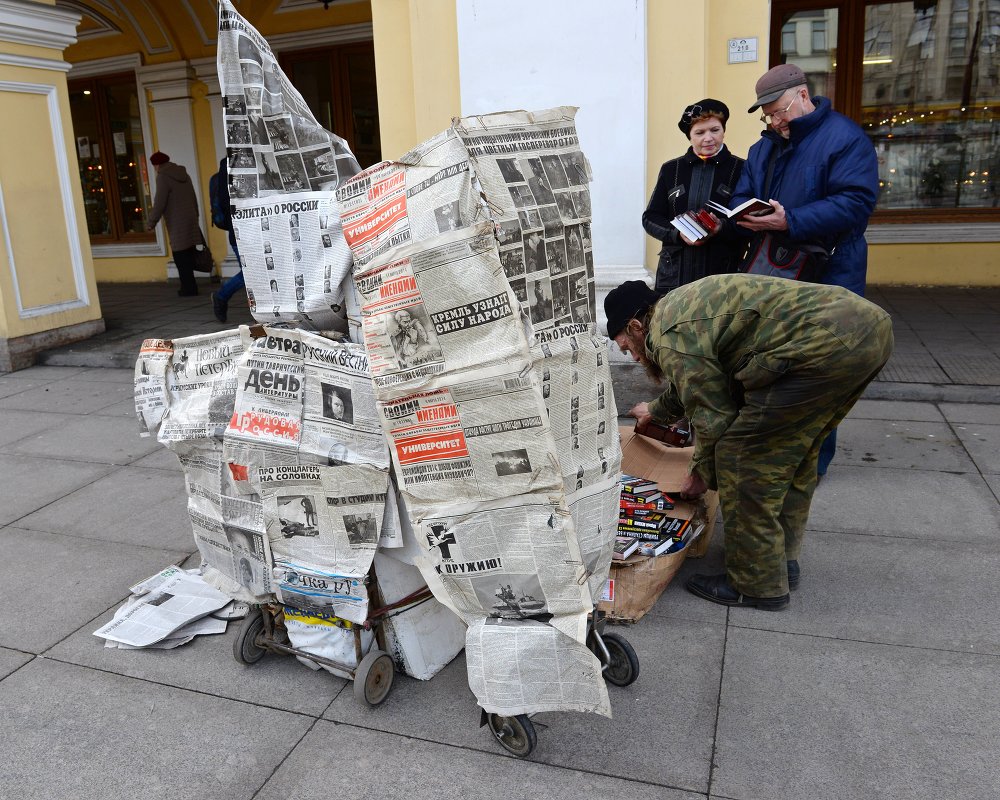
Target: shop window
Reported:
[(112, 158), (922, 78), (338, 83)]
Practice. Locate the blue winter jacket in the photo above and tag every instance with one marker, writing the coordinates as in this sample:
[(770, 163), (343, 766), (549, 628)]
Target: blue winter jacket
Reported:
[(826, 177)]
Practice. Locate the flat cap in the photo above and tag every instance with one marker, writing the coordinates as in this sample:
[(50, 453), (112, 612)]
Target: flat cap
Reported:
[(629, 301), (775, 82)]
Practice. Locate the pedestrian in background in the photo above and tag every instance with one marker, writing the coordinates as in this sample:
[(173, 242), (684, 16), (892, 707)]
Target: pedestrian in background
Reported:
[(176, 203), (222, 218), (707, 171), (819, 171), (763, 368)]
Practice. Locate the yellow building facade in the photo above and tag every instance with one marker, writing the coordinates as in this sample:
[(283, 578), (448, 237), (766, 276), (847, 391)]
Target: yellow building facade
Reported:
[(91, 88)]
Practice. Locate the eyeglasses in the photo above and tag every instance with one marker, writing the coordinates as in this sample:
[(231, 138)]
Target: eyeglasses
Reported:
[(767, 118)]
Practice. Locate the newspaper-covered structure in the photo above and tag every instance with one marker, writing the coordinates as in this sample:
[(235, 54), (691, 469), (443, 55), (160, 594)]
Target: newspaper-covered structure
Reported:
[(496, 496), (284, 169), (274, 430)]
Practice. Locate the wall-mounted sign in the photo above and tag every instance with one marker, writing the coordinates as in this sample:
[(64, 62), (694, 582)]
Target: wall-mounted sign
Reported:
[(743, 51)]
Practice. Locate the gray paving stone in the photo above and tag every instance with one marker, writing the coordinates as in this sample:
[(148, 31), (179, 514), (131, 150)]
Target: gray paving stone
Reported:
[(875, 589), (983, 443), (885, 409), (803, 716), (123, 408), (971, 412), (207, 665), (161, 458), (994, 484), (68, 396), (31, 483), (88, 575), (107, 737), (11, 384), (43, 373), (11, 660), (671, 652), (340, 761), (132, 505), (901, 444), (108, 375), (16, 424), (909, 503), (108, 440)]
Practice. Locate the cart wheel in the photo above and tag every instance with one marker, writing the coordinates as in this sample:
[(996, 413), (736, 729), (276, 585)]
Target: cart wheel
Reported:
[(373, 678), (245, 647), (624, 666), (515, 734)]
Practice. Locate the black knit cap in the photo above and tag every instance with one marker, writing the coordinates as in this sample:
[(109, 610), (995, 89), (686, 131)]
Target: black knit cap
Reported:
[(629, 301), (700, 109)]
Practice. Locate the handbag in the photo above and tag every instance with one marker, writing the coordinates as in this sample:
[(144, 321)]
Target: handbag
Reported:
[(772, 255), (203, 261), (775, 255)]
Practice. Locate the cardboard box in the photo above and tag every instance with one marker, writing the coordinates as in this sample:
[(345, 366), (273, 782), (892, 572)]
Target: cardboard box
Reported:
[(635, 584)]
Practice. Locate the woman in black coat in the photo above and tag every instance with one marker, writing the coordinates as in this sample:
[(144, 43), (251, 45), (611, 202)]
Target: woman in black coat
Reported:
[(708, 171)]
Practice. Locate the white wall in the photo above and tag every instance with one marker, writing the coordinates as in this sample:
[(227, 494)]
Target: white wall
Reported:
[(535, 54)]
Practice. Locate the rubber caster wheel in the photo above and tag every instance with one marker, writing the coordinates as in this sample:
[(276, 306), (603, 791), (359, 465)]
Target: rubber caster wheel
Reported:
[(515, 734), (245, 647), (624, 666), (373, 678)]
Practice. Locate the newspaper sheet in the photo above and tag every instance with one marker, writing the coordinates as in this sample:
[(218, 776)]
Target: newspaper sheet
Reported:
[(200, 386), (302, 398), (427, 192), (516, 559), (527, 666), (284, 169), (535, 178), (571, 364), (484, 437), (323, 524), (177, 601), (428, 309), (595, 518), (151, 396)]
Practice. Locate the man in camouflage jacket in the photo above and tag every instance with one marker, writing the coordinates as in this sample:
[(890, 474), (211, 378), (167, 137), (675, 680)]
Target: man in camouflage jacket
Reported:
[(764, 368)]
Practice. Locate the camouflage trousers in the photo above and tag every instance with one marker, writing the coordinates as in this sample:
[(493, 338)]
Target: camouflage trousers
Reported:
[(766, 460)]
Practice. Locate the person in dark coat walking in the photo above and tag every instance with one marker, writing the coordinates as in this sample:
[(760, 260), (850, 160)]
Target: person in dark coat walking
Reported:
[(823, 187), (176, 203), (707, 171)]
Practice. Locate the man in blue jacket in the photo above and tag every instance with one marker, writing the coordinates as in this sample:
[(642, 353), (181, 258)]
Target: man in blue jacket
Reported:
[(823, 186)]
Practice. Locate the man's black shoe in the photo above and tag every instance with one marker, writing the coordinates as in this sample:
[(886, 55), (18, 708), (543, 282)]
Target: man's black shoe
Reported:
[(221, 309), (794, 573), (716, 588)]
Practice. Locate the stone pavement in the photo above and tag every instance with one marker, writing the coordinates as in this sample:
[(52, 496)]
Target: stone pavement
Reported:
[(878, 682)]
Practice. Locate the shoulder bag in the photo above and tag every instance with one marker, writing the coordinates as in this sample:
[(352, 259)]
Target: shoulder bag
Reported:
[(203, 261), (772, 253)]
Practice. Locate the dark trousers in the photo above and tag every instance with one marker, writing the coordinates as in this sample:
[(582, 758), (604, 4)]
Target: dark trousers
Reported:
[(184, 261)]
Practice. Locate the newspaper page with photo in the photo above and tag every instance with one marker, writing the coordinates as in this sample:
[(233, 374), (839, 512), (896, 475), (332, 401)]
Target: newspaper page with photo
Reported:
[(426, 193), (302, 398), (323, 524), (536, 181), (427, 310), (199, 380), (284, 170)]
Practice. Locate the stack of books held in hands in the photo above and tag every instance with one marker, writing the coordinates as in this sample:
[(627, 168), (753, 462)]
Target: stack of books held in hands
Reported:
[(644, 524), (697, 225)]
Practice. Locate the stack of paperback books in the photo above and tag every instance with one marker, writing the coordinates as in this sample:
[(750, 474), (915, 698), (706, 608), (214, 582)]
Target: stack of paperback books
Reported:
[(644, 524)]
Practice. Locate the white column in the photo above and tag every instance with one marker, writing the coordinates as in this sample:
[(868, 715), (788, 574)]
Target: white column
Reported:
[(207, 72), (538, 55)]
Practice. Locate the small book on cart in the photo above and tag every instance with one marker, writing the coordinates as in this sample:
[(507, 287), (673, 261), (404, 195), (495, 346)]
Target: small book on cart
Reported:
[(624, 547)]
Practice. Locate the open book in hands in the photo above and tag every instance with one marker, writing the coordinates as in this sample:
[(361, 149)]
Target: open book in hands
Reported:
[(751, 208)]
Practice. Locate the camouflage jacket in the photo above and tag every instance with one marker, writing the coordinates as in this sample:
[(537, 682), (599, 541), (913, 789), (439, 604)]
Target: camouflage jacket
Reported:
[(724, 334)]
